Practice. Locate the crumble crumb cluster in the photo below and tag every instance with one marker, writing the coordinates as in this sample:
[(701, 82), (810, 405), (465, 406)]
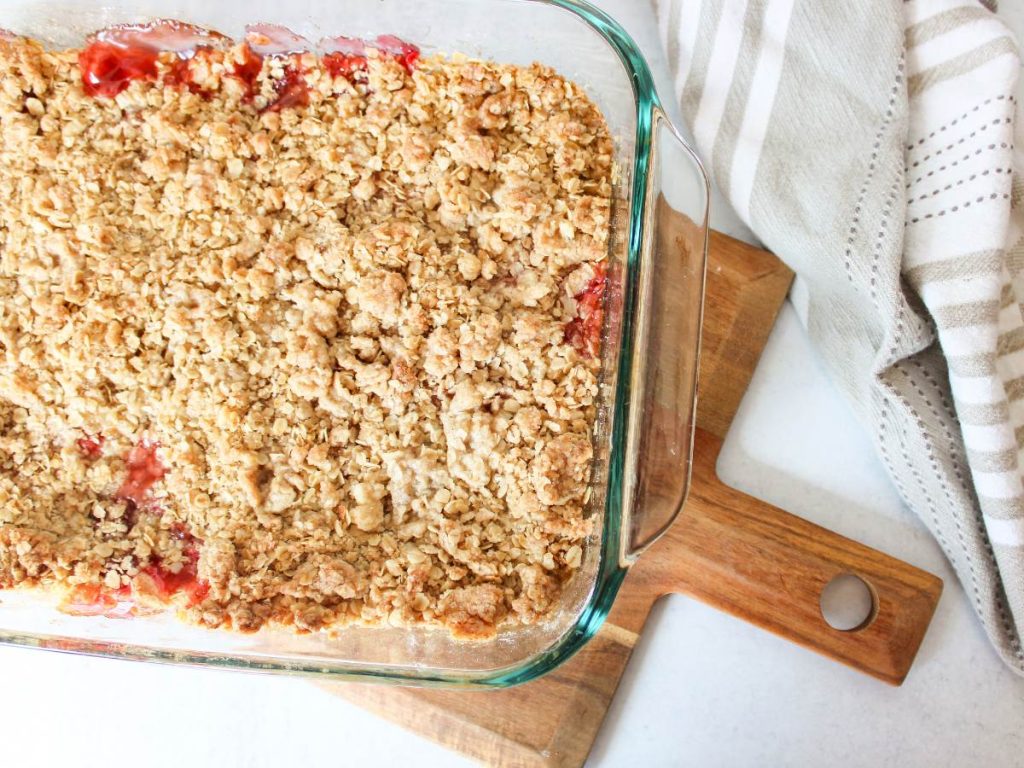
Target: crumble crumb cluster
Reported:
[(298, 359)]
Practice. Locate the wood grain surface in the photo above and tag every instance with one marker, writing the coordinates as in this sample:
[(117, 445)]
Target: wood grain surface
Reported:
[(727, 549)]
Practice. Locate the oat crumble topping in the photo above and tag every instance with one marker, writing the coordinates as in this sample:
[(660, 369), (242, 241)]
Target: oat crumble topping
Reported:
[(304, 363)]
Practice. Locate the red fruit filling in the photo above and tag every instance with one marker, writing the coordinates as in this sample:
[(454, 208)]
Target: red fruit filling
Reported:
[(343, 56), (118, 55), (180, 74), (165, 584), (291, 91), (144, 471), (91, 446), (344, 65), (247, 71), (108, 69), (584, 331), (404, 53)]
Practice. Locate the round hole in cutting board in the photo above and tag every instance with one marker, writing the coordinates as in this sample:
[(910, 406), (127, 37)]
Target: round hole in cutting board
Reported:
[(848, 603)]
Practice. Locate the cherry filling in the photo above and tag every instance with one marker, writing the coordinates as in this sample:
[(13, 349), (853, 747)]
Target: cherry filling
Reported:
[(158, 582), (291, 91), (404, 53), (248, 70), (180, 74), (118, 55), (188, 580), (144, 471), (108, 69), (584, 331), (91, 446), (344, 56), (163, 583), (344, 64)]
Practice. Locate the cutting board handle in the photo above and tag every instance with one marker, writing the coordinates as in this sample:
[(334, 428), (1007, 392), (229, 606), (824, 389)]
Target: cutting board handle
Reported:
[(769, 567)]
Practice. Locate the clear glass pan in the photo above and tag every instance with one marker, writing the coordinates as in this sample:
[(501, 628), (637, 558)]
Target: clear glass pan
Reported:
[(644, 434)]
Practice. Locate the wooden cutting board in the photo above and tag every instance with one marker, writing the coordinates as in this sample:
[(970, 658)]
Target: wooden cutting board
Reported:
[(727, 549)]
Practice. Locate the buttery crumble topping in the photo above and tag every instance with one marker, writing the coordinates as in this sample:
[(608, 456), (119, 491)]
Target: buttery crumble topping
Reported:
[(305, 365)]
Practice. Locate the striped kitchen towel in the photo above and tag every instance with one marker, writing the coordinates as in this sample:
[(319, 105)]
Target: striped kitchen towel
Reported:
[(871, 145)]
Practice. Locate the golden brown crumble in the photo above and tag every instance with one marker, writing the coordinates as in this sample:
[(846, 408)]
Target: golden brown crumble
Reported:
[(341, 327)]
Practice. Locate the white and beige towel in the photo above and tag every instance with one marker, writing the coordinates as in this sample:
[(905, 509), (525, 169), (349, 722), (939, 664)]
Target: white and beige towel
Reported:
[(872, 145)]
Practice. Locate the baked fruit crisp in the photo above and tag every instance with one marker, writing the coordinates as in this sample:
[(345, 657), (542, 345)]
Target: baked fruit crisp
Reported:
[(296, 334)]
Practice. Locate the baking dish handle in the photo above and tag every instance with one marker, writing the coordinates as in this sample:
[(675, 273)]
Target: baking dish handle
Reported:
[(665, 358)]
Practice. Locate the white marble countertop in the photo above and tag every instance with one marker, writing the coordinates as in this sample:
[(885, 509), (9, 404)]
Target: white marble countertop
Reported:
[(702, 688)]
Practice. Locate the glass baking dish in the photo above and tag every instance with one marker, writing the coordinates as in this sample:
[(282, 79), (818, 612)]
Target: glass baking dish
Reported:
[(644, 431)]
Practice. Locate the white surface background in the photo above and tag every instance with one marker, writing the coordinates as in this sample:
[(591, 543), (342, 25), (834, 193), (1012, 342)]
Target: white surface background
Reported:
[(702, 689)]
